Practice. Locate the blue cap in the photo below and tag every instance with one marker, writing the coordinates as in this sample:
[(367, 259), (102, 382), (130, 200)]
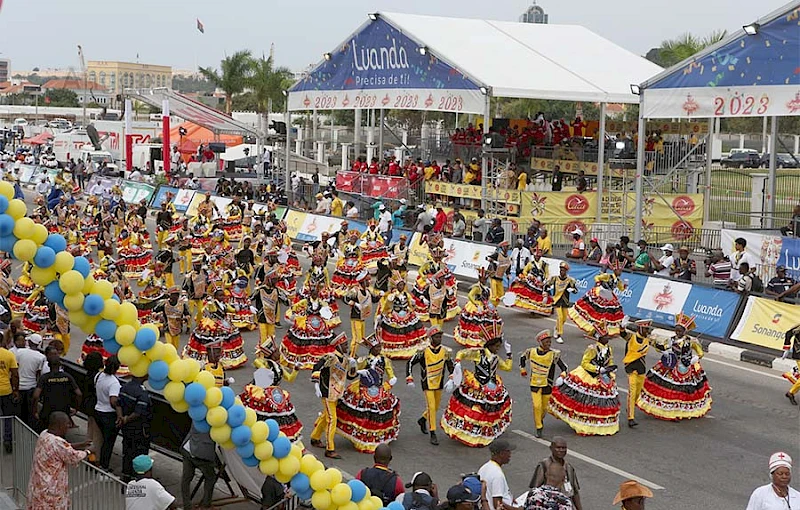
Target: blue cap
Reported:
[(473, 483), (142, 464)]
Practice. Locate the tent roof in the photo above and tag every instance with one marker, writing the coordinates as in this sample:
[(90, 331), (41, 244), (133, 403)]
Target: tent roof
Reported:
[(199, 134), (529, 60)]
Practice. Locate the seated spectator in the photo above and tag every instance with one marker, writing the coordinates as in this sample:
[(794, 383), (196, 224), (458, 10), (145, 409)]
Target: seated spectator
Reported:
[(459, 223), (351, 211), (683, 268), (642, 262), (663, 265), (718, 267), (544, 243), (781, 286), (609, 257), (594, 253), (793, 228), (624, 251)]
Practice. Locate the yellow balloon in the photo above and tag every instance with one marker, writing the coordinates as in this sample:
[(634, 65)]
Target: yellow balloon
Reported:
[(282, 477), (349, 505), (88, 284), (178, 370), (154, 329), (250, 417), (71, 282), (90, 324), (237, 401), (264, 450), (321, 500), (334, 477), (364, 504), (104, 289), (23, 228), (16, 208), (228, 445), (296, 452), (308, 464), (376, 502), (173, 391), (341, 494), (110, 310), (79, 318), (156, 352), (64, 262), (139, 369), (6, 189), (127, 314), (24, 249), (214, 398), (258, 432), (40, 234), (206, 379), (319, 481), (180, 407), (73, 302), (170, 354), (129, 355), (269, 467), (125, 334), (221, 434), (42, 275), (193, 370), (217, 416)]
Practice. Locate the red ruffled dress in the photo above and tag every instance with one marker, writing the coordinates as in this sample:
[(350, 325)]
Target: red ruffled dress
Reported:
[(477, 314), (215, 327), (347, 269), (599, 305), (420, 292), (372, 248), (273, 402), (400, 330), (529, 290), (309, 337), (134, 253), (21, 291)]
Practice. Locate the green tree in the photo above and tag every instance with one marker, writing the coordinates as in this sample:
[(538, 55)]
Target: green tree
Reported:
[(235, 71), (61, 97), (268, 82), (679, 49)]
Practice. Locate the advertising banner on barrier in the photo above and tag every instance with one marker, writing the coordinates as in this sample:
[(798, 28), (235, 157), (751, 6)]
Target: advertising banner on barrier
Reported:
[(106, 183), (383, 186), (135, 192), (182, 199), (26, 173), (764, 322), (765, 249), (714, 309), (196, 199), (161, 196), (314, 225), (349, 182), (790, 254), (294, 221)]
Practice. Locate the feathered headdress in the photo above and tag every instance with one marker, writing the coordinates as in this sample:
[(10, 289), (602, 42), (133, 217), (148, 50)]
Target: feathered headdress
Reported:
[(492, 331), (687, 321), (371, 341)]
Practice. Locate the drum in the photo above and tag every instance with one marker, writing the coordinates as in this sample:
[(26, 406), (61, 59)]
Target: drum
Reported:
[(509, 298), (326, 313), (669, 360)]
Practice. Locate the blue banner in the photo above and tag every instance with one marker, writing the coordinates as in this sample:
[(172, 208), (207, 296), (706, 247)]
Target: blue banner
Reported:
[(714, 309), (584, 276), (161, 195), (790, 254), (630, 299)]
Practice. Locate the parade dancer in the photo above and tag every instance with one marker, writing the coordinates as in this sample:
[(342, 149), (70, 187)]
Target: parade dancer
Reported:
[(479, 410), (174, 314), (152, 295), (561, 286), (368, 413), (133, 251), (265, 299), (477, 313), (433, 272), (600, 304), (399, 251), (791, 348), (21, 291), (529, 288), (360, 300), (542, 362), (309, 338), (435, 362), (676, 388), (348, 266), (214, 327), (636, 346), (242, 316), (372, 246), (164, 220), (499, 265), (195, 285), (588, 401), (398, 326), (330, 375)]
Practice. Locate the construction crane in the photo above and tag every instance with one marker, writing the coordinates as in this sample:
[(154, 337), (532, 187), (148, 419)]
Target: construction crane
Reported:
[(85, 81)]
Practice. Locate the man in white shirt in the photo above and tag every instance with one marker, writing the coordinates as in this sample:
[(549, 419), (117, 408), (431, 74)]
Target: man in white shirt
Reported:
[(352, 211), (30, 362), (739, 256), (145, 493), (175, 157), (664, 264), (497, 491), (520, 256), (385, 224), (96, 189), (43, 186)]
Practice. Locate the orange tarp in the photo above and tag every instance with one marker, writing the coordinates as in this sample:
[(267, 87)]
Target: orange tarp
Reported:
[(199, 134)]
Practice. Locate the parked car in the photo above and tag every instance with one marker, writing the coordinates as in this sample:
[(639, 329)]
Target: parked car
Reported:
[(782, 160), (741, 160)]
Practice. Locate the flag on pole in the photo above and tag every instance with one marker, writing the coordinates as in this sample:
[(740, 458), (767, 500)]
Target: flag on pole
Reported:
[(199, 26)]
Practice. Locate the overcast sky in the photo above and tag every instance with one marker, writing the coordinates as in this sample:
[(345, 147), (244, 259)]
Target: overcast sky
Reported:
[(44, 33)]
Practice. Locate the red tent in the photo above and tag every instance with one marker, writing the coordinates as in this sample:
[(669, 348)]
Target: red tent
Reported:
[(40, 139), (188, 146)]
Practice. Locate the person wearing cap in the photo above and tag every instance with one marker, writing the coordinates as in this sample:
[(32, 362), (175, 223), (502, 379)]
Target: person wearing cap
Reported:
[(663, 265), (677, 376), (776, 495), (435, 361), (543, 363), (360, 300), (791, 349), (683, 267), (498, 493), (632, 495), (459, 497), (30, 363), (643, 262), (636, 346), (578, 250), (549, 496), (424, 493), (561, 286), (323, 204), (499, 266), (398, 324), (594, 253), (781, 287), (134, 424)]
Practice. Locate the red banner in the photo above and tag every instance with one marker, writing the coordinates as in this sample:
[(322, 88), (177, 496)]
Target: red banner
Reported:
[(387, 187), (349, 182)]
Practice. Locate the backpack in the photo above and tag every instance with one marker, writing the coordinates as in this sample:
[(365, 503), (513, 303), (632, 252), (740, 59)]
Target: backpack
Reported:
[(758, 285), (381, 483)]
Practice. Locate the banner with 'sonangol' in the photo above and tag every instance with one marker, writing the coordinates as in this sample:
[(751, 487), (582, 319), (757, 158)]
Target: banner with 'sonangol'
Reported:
[(765, 322)]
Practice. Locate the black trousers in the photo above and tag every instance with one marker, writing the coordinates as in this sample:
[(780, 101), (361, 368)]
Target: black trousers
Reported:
[(107, 422), (9, 408), (135, 442)]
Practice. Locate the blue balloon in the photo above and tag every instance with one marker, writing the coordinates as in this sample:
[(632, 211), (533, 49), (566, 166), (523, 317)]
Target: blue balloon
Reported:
[(82, 266), (274, 430), (158, 384), (358, 489), (236, 415), (201, 426), (306, 495), (116, 298), (158, 369), (111, 345), (45, 257), (250, 461), (56, 242), (198, 412), (246, 450), (93, 304), (228, 397), (6, 224), (54, 293), (300, 483), (105, 329), (281, 447), (7, 244), (145, 339), (394, 505), (3, 204), (194, 394), (241, 435)]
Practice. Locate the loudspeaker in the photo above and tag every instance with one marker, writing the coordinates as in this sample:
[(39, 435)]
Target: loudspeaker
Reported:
[(217, 146)]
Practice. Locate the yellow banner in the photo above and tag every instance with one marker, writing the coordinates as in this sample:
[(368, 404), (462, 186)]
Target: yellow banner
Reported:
[(191, 211), (765, 322), (417, 253), (660, 213), (468, 191), (294, 220), (573, 167)]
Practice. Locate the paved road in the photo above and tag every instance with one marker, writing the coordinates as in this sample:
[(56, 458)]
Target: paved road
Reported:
[(713, 463)]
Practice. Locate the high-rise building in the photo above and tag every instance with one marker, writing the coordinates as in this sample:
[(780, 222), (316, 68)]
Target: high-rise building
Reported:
[(117, 76), (534, 14), (5, 69)]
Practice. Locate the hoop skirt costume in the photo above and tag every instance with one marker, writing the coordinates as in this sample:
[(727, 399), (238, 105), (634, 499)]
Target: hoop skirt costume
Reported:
[(232, 223), (265, 396), (479, 410), (529, 288), (150, 297), (435, 269), (600, 305), (588, 400), (200, 235), (399, 328), (309, 337), (318, 277), (477, 314), (677, 388), (215, 327), (133, 252), (21, 291), (368, 413), (348, 267), (242, 316), (372, 246)]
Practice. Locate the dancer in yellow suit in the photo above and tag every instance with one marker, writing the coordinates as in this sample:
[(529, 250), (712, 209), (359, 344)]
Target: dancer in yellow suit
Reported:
[(636, 347), (330, 376), (499, 264), (562, 285), (434, 361), (542, 362)]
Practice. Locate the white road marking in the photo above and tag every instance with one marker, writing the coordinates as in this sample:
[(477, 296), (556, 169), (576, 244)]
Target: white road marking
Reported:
[(601, 465), (731, 365)]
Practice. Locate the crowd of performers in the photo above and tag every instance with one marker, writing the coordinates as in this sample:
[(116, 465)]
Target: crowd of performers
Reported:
[(240, 272)]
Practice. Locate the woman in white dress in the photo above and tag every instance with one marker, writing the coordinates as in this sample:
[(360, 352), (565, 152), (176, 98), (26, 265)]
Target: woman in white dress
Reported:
[(776, 495)]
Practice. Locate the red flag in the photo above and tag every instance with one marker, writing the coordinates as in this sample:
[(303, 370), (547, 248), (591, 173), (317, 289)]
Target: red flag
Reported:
[(199, 25)]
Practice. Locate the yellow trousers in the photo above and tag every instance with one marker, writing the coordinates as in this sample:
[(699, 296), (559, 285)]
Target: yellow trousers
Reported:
[(175, 340), (796, 386), (326, 422), (432, 398), (196, 308), (65, 339), (169, 278), (437, 323), (635, 385), (185, 260), (540, 403), (357, 329), (561, 319), (161, 236), (266, 330), (496, 290)]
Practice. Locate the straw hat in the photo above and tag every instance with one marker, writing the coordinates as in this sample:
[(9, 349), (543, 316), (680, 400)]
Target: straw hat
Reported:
[(631, 489)]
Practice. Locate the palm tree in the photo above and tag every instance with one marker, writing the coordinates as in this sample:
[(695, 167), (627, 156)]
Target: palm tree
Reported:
[(268, 82), (677, 50), (235, 73)]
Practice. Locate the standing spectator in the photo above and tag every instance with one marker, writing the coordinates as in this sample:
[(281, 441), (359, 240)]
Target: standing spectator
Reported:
[(175, 159), (664, 264), (107, 410), (272, 493), (199, 452), (558, 454), (56, 389), (498, 492), (548, 496), (381, 480), (352, 210), (48, 488), (532, 235), (479, 226), (738, 256), (323, 204), (424, 494), (580, 183), (625, 252), (522, 180), (92, 363), (385, 224), (683, 268), (557, 179), (134, 400), (496, 232), (744, 285), (456, 173), (425, 220), (9, 392), (780, 287), (80, 174), (718, 267), (459, 223), (440, 220), (30, 364), (544, 244), (632, 495), (578, 246), (520, 256), (145, 493), (337, 206), (459, 497), (315, 182), (399, 213), (594, 253), (266, 156), (776, 495)]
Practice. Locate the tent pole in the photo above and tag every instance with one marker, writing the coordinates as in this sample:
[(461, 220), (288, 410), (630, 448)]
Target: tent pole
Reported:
[(286, 175), (709, 161), (484, 157), (639, 175), (773, 184), (357, 135), (601, 156), (380, 139)]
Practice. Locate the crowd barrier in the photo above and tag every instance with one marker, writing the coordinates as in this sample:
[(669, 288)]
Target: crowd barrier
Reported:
[(375, 186), (768, 250)]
